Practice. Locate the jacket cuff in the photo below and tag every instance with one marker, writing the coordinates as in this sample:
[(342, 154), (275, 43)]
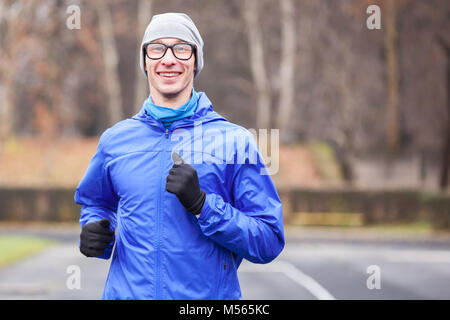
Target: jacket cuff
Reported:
[(205, 209), (210, 211)]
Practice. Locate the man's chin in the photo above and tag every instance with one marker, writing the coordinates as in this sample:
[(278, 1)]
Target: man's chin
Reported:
[(172, 91)]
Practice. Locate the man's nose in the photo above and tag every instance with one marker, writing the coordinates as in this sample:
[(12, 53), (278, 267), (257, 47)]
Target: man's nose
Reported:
[(168, 58)]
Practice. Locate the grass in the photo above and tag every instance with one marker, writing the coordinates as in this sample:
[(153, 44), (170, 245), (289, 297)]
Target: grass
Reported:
[(413, 229), (419, 227), (16, 247)]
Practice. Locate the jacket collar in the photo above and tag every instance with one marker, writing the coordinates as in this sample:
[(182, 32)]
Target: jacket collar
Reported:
[(204, 113)]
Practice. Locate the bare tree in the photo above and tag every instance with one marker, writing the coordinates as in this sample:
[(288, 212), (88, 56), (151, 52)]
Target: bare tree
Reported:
[(287, 68), (390, 10), (141, 86), (392, 75), (256, 51), (111, 61), (10, 16), (445, 162), (340, 75)]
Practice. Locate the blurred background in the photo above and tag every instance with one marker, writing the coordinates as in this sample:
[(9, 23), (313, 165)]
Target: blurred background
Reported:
[(363, 114)]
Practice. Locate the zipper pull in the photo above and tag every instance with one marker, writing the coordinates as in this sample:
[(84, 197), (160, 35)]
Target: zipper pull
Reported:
[(167, 133)]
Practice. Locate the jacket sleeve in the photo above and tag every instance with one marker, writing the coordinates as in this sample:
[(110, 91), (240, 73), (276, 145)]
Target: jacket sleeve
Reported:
[(96, 195), (253, 226)]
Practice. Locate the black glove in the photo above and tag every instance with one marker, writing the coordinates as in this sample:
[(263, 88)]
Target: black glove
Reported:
[(95, 237), (183, 181)]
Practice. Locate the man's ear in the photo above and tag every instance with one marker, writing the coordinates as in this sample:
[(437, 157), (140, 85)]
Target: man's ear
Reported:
[(144, 55)]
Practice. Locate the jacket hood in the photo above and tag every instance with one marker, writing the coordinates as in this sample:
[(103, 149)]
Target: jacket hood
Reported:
[(204, 113)]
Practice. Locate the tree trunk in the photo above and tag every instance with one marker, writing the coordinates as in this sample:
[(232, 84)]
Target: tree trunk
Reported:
[(7, 69), (256, 52), (445, 162), (287, 67), (346, 137), (111, 60), (392, 77), (141, 84), (7, 104)]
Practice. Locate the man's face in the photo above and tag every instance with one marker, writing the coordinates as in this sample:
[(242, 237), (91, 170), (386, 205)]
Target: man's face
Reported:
[(170, 76)]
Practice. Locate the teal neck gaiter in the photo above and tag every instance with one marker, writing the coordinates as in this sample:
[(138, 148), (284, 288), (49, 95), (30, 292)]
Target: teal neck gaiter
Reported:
[(167, 115)]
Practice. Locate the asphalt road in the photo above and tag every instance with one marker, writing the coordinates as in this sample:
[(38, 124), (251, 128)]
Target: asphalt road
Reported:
[(315, 264)]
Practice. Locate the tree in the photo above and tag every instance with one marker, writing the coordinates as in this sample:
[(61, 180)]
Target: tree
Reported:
[(390, 10), (391, 40), (141, 86), (111, 61), (287, 68), (256, 51), (11, 26), (445, 162)]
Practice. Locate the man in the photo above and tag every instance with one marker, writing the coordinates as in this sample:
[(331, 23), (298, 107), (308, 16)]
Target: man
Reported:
[(182, 207)]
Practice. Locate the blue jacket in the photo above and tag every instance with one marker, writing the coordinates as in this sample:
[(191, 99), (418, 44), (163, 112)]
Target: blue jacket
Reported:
[(161, 250)]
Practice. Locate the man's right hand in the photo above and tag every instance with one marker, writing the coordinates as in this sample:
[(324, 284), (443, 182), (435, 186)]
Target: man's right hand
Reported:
[(95, 237)]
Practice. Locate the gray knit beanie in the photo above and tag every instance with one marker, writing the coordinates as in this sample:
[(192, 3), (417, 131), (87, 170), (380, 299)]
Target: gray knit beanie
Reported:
[(173, 25)]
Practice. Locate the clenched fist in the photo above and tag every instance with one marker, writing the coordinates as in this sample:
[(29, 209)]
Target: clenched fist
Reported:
[(95, 237), (183, 182)]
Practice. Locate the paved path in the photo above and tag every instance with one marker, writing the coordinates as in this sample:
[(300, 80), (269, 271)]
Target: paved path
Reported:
[(316, 264)]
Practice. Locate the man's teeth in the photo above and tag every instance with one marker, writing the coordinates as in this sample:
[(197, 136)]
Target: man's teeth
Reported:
[(167, 74)]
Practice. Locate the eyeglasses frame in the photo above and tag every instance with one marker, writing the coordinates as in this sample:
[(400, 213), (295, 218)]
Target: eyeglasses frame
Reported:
[(193, 46)]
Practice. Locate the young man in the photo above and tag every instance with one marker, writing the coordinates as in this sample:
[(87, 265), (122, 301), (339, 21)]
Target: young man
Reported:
[(183, 201)]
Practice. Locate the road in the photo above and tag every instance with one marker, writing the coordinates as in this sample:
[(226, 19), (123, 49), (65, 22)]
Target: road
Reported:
[(315, 264)]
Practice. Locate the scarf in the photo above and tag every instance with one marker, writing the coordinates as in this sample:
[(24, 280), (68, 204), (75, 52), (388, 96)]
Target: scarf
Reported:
[(167, 115)]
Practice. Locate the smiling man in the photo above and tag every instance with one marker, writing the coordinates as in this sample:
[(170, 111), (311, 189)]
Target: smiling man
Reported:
[(181, 229)]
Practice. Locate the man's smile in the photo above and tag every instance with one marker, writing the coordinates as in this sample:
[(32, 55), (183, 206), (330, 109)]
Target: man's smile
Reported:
[(169, 75)]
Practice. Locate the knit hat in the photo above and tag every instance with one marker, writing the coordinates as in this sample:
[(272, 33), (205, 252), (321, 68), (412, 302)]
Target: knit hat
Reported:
[(173, 25)]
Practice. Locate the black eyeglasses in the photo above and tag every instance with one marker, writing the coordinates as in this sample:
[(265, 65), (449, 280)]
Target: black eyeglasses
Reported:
[(181, 51)]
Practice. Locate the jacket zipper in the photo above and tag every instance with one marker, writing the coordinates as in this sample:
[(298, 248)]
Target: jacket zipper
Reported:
[(160, 209), (223, 268)]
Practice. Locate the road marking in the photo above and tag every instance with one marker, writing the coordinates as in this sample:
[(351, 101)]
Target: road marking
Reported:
[(293, 273)]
